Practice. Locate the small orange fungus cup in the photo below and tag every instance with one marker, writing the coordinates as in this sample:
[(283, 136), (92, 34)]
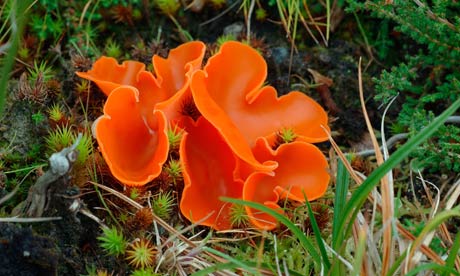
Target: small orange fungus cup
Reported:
[(302, 174), (208, 164), (168, 84), (231, 122), (133, 147), (132, 132), (229, 93)]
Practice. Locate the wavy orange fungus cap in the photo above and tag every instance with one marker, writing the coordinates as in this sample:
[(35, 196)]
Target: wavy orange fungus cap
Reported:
[(108, 74), (171, 81), (302, 172), (229, 93), (130, 134), (208, 164), (134, 148), (174, 74)]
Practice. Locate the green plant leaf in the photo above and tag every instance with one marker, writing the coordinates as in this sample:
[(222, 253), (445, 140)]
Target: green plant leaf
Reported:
[(397, 263), (215, 268), (238, 264), (358, 198), (433, 223), (359, 255), (434, 267), (233, 266), (319, 240), (450, 262), (294, 229), (19, 9), (340, 199)]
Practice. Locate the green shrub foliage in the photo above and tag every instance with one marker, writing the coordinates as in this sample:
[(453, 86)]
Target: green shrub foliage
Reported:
[(427, 79)]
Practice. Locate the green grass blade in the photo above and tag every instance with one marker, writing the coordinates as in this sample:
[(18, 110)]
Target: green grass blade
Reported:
[(440, 218), (17, 26), (397, 263), (235, 262), (359, 255), (294, 229), (319, 240), (216, 268), (340, 199), (360, 195), (233, 266), (361, 30), (433, 223), (328, 19), (437, 268), (450, 261)]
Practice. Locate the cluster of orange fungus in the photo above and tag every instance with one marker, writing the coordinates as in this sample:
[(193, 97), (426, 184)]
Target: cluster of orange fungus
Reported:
[(230, 125)]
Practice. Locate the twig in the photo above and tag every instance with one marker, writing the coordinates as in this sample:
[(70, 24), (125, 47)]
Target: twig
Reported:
[(60, 164), (432, 15), (248, 23), (27, 220), (387, 192), (221, 14), (400, 136)]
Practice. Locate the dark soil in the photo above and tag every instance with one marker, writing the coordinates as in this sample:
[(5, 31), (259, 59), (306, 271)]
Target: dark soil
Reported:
[(22, 252)]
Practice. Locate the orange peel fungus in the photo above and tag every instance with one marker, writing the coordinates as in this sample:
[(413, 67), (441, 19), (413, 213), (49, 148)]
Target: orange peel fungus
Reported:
[(208, 165), (132, 132), (171, 81), (301, 174), (133, 147), (227, 147), (229, 93)]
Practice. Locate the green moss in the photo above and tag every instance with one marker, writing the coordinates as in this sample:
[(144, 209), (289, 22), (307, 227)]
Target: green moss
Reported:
[(224, 38), (56, 112), (41, 70), (238, 216), (59, 138), (169, 7), (174, 136), (144, 272), (261, 14), (113, 241), (84, 148), (38, 118), (162, 204), (113, 49), (174, 170)]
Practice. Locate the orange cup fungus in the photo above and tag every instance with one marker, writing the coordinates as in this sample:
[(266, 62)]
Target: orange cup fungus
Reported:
[(208, 165), (133, 146), (301, 167), (168, 84), (132, 133), (229, 93), (231, 122)]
